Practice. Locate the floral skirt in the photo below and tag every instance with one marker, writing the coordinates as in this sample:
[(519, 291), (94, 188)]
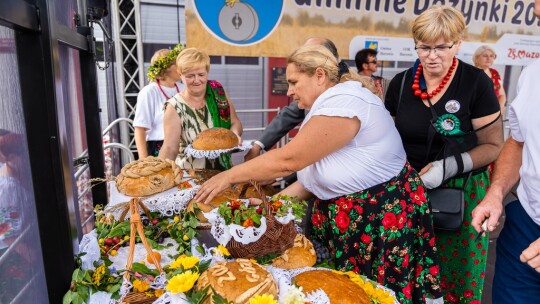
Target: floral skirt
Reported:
[(385, 233), (463, 261)]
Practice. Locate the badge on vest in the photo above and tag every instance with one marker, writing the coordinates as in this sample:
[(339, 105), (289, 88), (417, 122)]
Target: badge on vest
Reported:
[(452, 106), (448, 125)]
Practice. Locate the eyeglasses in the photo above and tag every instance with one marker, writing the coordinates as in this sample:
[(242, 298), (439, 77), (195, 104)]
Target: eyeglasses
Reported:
[(374, 62), (426, 50)]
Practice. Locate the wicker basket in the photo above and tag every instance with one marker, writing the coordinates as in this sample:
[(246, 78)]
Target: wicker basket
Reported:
[(137, 227), (276, 239)]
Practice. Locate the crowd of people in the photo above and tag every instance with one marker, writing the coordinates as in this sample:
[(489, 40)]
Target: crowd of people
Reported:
[(369, 149)]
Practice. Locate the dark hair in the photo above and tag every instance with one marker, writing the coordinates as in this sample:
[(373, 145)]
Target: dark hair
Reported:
[(331, 47), (362, 57)]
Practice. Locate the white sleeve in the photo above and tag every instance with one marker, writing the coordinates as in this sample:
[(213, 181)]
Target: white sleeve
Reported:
[(344, 106), (144, 113)]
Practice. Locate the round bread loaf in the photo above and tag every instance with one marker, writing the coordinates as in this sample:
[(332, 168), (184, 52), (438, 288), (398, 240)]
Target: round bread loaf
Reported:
[(238, 281), (226, 195), (339, 288), (248, 191), (148, 176), (302, 254), (215, 139)]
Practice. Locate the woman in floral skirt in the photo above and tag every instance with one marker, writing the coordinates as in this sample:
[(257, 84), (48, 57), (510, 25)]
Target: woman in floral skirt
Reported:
[(370, 211), (449, 120)]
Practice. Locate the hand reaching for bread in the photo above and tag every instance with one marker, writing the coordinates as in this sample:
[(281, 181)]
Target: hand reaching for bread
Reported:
[(212, 187)]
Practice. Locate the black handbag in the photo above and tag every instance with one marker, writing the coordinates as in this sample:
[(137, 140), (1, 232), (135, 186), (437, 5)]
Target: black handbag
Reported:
[(447, 206)]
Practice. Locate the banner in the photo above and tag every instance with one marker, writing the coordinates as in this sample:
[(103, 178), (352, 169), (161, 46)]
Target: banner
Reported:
[(275, 28)]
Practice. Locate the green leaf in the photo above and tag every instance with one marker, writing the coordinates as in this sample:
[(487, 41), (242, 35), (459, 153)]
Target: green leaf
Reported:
[(193, 222), (121, 229), (138, 267), (67, 299), (200, 249)]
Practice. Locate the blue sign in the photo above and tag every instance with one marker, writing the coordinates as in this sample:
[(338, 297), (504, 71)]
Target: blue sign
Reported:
[(370, 44), (244, 23)]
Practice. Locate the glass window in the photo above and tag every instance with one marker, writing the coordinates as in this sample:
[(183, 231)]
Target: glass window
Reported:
[(82, 208), (241, 60), (65, 12), (22, 277)]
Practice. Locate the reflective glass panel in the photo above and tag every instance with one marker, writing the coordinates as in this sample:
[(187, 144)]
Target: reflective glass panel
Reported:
[(22, 277)]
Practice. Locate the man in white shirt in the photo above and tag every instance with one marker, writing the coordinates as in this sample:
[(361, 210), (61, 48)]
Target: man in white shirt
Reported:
[(517, 267)]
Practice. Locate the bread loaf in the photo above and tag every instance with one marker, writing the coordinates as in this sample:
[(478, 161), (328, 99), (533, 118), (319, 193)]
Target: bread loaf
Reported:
[(238, 281), (226, 195), (215, 139), (201, 175), (339, 288), (248, 191), (302, 254), (148, 176)]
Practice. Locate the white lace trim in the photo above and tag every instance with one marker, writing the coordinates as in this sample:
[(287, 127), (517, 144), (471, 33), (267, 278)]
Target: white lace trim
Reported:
[(212, 154), (244, 235), (89, 244), (167, 203), (119, 261), (101, 297), (169, 298)]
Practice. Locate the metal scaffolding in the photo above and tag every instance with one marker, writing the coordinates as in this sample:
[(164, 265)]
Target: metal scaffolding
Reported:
[(126, 28)]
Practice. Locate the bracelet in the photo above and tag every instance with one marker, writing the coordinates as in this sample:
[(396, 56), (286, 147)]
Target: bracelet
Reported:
[(258, 143)]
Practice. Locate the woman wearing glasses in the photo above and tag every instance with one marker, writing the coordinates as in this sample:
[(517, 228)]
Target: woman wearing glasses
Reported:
[(449, 120)]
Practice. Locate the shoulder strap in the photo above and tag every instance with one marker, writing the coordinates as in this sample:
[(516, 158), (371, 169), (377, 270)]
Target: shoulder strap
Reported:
[(401, 91)]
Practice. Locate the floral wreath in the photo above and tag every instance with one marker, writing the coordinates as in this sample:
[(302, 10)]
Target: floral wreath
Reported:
[(164, 62)]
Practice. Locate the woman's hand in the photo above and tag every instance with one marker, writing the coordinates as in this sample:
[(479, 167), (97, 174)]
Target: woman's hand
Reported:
[(212, 187)]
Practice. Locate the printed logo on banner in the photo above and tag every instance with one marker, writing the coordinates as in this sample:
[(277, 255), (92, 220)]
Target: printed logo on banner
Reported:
[(241, 23), (372, 44)]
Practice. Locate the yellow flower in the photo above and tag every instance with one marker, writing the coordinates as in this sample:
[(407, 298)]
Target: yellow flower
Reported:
[(222, 251), (263, 299), (159, 292), (140, 286), (98, 274), (382, 296), (182, 282), (187, 262)]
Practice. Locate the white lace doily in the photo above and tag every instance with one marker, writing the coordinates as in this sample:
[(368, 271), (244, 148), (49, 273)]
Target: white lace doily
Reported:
[(89, 245), (244, 235), (167, 203), (169, 298), (119, 261), (212, 154)]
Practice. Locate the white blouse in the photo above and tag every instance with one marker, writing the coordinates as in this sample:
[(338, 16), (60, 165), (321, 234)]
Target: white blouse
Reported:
[(373, 156)]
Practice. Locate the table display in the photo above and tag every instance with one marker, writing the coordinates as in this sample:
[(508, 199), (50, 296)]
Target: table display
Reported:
[(152, 250)]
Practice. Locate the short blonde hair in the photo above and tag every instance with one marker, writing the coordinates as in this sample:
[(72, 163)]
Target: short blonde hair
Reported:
[(308, 58), (439, 21), (191, 58), (480, 50)]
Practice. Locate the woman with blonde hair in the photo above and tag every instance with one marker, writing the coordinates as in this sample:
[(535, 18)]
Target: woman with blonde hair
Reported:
[(449, 120), (483, 58), (164, 83), (203, 104), (370, 210)]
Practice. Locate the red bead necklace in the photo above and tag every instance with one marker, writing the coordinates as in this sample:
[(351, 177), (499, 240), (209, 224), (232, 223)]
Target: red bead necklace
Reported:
[(416, 82), (163, 92)]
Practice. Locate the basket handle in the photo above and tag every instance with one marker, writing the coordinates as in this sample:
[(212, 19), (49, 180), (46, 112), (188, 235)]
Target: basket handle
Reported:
[(137, 227), (261, 193)]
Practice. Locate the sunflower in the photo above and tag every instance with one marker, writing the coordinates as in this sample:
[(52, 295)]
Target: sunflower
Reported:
[(182, 282), (187, 262), (263, 299)]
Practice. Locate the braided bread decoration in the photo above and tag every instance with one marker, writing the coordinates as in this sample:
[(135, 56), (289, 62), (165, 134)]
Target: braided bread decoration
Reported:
[(148, 176)]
